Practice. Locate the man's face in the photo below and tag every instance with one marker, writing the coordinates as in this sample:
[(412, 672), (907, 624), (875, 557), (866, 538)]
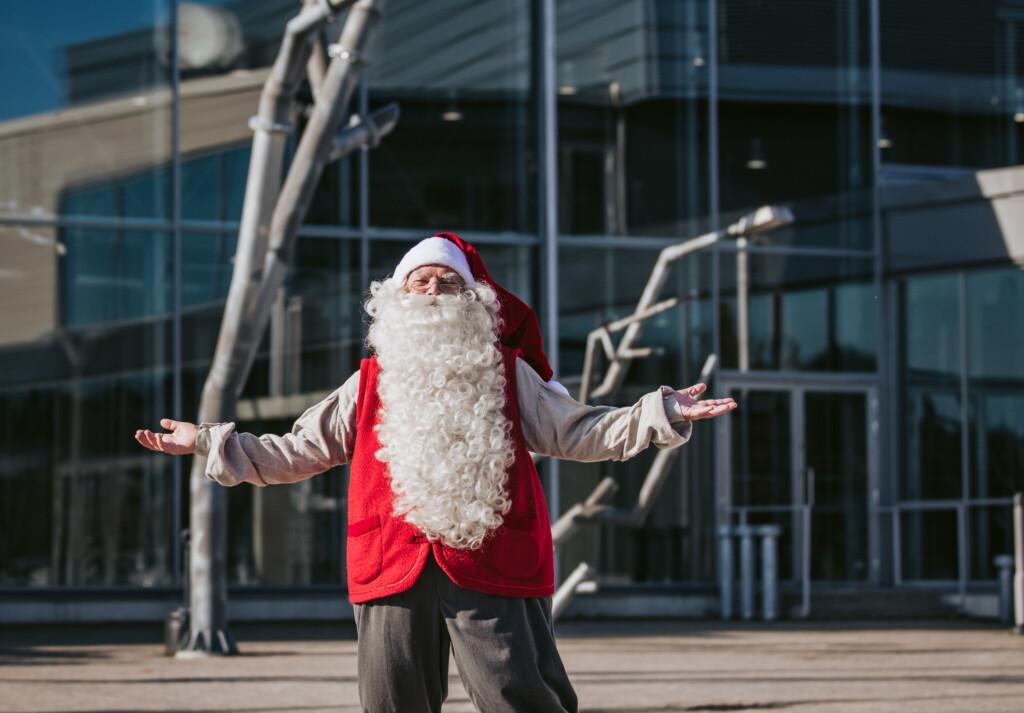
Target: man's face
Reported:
[(434, 280)]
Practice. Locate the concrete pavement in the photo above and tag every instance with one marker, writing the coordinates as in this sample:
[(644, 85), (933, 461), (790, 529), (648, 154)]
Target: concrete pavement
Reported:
[(644, 667)]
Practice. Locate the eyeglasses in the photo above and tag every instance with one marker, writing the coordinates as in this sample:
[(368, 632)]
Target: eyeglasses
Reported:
[(449, 285)]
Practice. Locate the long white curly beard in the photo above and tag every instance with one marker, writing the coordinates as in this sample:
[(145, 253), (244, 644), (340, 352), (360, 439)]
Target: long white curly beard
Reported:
[(443, 430)]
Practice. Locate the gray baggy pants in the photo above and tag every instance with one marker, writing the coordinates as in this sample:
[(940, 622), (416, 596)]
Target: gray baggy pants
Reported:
[(504, 648)]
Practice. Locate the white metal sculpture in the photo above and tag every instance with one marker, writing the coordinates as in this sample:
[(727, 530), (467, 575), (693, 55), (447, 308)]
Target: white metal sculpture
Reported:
[(271, 216)]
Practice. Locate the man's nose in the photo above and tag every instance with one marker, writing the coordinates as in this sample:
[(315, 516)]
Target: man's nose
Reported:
[(434, 287)]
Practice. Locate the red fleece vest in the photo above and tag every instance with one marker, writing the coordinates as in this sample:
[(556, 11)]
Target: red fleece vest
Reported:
[(385, 554)]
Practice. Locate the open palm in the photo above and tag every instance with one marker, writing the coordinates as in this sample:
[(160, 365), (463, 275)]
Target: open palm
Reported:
[(691, 406), (180, 441)]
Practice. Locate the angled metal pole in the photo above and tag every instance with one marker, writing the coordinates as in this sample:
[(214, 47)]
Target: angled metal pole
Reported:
[(208, 632), (564, 595), (313, 153), (758, 221), (316, 65), (617, 369)]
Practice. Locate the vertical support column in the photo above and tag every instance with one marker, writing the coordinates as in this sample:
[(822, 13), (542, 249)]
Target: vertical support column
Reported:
[(721, 446), (1018, 560), (963, 534), (962, 555), (1011, 97), (548, 219), (886, 487), (713, 198), (746, 535), (874, 488), (725, 571), (364, 204), (176, 405), (769, 571)]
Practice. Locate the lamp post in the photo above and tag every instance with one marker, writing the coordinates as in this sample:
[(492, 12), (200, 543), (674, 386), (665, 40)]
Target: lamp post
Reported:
[(749, 226)]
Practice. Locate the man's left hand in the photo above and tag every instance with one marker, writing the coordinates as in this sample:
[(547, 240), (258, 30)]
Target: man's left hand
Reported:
[(689, 405)]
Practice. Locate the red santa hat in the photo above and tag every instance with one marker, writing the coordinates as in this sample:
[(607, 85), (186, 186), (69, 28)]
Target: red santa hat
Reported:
[(520, 328)]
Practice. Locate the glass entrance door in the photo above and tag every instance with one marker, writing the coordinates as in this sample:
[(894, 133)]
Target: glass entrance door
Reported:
[(803, 457), (836, 465)]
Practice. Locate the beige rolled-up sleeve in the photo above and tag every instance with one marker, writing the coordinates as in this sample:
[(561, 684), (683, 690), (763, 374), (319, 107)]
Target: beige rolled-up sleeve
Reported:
[(557, 425), (322, 438)]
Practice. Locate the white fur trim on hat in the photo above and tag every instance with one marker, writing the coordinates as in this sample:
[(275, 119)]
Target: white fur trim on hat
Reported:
[(434, 251)]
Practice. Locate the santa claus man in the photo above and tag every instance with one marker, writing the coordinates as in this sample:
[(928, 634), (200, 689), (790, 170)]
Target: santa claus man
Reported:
[(449, 542)]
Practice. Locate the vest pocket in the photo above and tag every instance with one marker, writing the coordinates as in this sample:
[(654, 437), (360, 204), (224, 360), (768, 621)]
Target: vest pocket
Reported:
[(515, 550), (363, 551)]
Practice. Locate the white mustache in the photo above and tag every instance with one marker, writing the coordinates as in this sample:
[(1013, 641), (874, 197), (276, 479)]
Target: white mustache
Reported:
[(420, 300)]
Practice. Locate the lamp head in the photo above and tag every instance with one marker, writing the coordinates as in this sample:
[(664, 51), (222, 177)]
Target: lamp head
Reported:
[(765, 218)]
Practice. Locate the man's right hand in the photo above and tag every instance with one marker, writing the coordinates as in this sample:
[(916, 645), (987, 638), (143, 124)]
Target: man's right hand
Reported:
[(180, 441)]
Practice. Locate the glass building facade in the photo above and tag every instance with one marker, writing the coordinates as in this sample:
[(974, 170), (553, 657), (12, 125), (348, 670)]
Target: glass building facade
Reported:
[(879, 374)]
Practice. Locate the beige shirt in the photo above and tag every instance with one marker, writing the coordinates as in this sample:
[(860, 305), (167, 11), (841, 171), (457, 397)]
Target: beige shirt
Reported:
[(553, 424)]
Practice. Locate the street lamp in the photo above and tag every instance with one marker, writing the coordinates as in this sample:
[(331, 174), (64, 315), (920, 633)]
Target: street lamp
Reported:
[(765, 218)]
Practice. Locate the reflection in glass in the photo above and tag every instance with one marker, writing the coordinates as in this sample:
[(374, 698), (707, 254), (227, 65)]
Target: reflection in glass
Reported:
[(949, 114), (995, 325), (784, 98), (205, 266), (930, 363), (929, 540), (83, 505), (30, 417), (761, 450), (654, 553), (933, 447), (88, 102), (463, 156), (632, 117), (932, 327), (996, 444), (110, 275), (317, 326), (991, 533), (836, 451), (602, 284), (288, 536), (291, 536), (815, 314)]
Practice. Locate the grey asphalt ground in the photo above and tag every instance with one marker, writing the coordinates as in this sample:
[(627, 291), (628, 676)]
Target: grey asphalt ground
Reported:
[(645, 667)]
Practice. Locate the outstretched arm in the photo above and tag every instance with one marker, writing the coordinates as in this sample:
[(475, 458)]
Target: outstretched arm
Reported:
[(323, 437), (557, 425)]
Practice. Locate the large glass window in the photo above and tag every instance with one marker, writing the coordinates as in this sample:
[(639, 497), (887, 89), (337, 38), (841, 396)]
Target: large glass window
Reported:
[(995, 338), (293, 535), (85, 98), (803, 313), (794, 109), (90, 507), (929, 543), (961, 335), (931, 407), (598, 285), (114, 275), (632, 116), (946, 114), (463, 155), (85, 343)]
